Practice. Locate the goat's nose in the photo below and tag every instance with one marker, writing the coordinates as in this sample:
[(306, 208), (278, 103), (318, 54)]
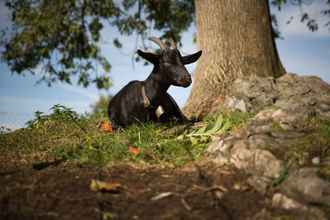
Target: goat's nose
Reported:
[(187, 77), (186, 81)]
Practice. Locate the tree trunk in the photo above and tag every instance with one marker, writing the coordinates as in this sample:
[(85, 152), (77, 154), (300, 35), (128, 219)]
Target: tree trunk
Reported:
[(236, 39)]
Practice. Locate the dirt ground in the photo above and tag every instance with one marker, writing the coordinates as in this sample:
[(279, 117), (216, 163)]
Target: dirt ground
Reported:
[(62, 191)]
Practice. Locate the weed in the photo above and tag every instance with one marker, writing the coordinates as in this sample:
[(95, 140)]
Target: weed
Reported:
[(283, 175), (213, 125), (4, 130), (324, 173), (64, 134), (298, 152)]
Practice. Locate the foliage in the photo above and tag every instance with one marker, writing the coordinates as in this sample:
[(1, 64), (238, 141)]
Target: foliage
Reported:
[(301, 151), (316, 143), (4, 130), (60, 46), (61, 40), (100, 108), (219, 123), (305, 16), (65, 135), (283, 175), (324, 172), (59, 113)]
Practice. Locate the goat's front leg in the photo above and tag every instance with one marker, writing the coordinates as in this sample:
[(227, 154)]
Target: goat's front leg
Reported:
[(171, 110)]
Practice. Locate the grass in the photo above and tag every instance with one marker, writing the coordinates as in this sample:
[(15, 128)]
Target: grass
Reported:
[(314, 144), (300, 151), (324, 172), (63, 134)]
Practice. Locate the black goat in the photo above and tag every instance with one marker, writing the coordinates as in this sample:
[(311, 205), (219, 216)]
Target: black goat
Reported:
[(148, 100)]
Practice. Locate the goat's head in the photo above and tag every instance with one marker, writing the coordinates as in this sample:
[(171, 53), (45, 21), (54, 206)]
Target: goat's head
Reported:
[(170, 63)]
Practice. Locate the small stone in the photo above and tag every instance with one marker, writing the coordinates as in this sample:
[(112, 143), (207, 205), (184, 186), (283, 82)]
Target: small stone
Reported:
[(263, 215), (241, 106), (278, 114), (219, 194), (316, 160), (281, 201), (264, 115), (235, 104), (259, 183)]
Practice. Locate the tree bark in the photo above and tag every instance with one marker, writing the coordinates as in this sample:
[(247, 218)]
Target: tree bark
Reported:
[(236, 39)]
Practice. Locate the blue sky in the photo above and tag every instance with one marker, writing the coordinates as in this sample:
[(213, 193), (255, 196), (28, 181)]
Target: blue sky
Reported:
[(301, 52)]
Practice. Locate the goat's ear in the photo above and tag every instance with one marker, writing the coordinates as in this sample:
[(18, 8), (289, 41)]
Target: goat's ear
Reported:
[(191, 58), (151, 57)]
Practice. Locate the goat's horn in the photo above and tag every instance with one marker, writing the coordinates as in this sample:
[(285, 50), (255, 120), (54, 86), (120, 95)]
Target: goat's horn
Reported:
[(173, 44), (158, 42)]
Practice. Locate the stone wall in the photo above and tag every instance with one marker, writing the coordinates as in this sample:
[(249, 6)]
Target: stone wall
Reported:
[(286, 145)]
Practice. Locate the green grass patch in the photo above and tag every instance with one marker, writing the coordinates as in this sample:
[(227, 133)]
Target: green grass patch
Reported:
[(215, 124), (300, 151), (63, 134), (324, 172), (283, 175)]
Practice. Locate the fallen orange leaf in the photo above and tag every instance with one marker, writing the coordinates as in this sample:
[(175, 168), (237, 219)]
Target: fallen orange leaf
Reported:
[(105, 126), (133, 150), (97, 185)]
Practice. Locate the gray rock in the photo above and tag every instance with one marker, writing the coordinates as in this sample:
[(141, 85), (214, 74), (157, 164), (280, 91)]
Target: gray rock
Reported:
[(283, 202), (264, 214), (244, 155), (289, 92), (235, 104), (284, 108), (256, 161), (307, 214), (259, 183), (255, 91), (305, 185), (219, 150), (298, 210)]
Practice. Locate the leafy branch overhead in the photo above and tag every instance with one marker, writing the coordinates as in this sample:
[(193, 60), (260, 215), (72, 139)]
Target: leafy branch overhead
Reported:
[(305, 16), (60, 39)]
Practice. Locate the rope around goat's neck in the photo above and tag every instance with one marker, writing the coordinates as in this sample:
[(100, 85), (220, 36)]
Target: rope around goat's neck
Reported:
[(146, 101)]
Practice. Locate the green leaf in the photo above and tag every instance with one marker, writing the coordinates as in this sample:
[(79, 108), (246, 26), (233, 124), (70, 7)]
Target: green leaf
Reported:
[(105, 64), (217, 125), (95, 27), (117, 43)]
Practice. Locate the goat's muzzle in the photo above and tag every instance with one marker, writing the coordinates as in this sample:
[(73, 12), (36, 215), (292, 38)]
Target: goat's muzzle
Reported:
[(185, 81)]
